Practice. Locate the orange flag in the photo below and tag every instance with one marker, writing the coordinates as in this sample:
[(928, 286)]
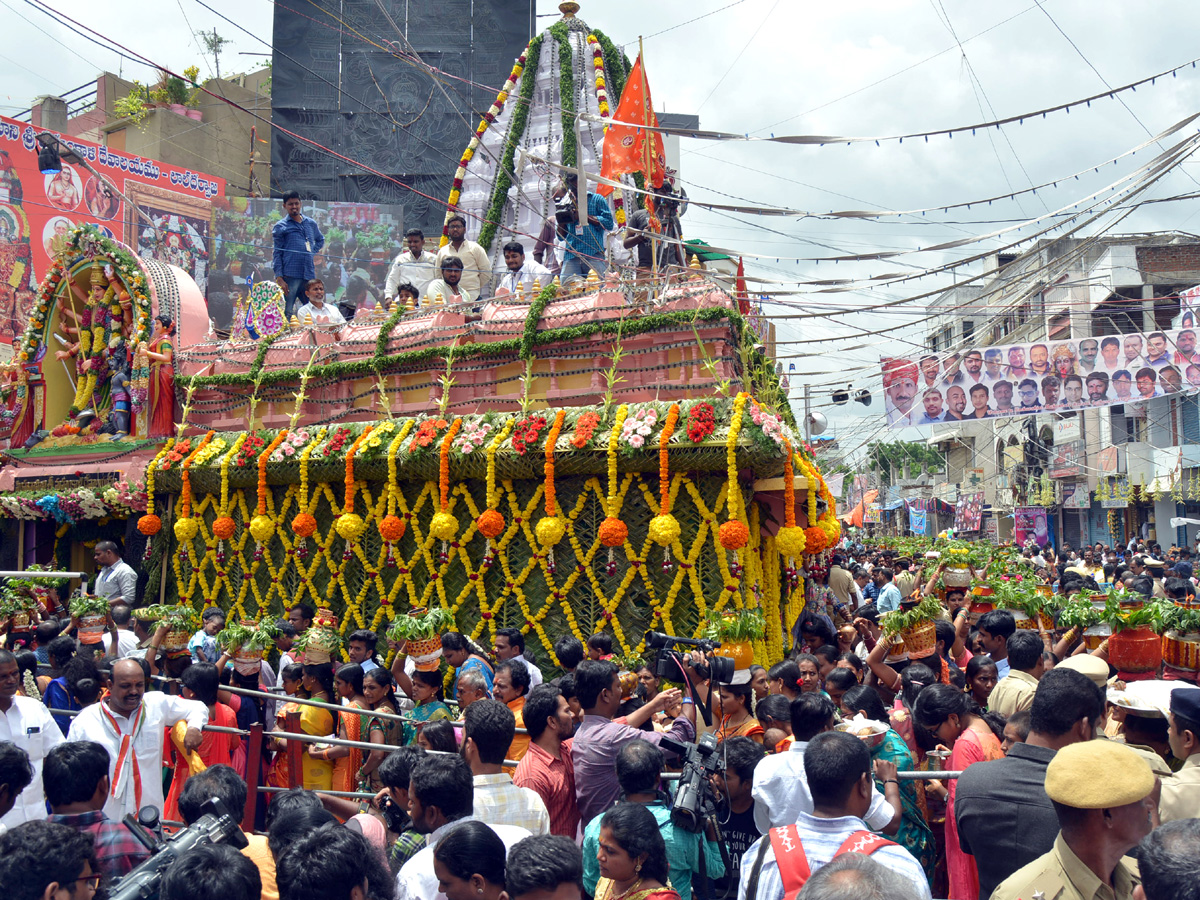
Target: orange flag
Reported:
[(624, 148)]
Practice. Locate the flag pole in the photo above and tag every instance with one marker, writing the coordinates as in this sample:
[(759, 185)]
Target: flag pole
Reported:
[(646, 159)]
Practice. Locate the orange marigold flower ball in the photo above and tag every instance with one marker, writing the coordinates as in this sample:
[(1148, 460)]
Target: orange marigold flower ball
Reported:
[(490, 523), (223, 528), (391, 528), (149, 524), (734, 535), (304, 525), (814, 539), (613, 532)]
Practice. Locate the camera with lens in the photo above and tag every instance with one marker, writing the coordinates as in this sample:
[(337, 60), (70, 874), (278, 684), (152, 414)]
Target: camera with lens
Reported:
[(695, 800), (670, 662), (394, 817), (566, 213), (215, 826)]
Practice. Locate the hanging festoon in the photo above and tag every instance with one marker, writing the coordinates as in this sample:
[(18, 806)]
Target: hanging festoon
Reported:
[(350, 525), (304, 523), (664, 528), (491, 521), (815, 537), (223, 527), (150, 523), (551, 529), (444, 525), (187, 527), (262, 526), (392, 527), (790, 540), (734, 534), (613, 532)]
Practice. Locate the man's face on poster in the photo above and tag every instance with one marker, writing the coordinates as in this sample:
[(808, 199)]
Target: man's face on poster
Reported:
[(1088, 349), (956, 397), (1029, 394), (951, 365), (1110, 351), (1073, 390), (929, 368), (1193, 376), (1156, 346), (979, 398), (933, 403), (902, 391), (992, 364), (1003, 392), (1123, 387), (1050, 392), (1145, 385), (1186, 342), (1133, 346), (1038, 358), (1016, 358), (1170, 379), (1097, 390), (974, 364)]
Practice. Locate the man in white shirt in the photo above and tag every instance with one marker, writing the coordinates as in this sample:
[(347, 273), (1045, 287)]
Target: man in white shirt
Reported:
[(510, 644), (449, 287), (780, 788), (27, 724), (489, 727), (415, 265), (520, 271), (116, 580), (322, 313), (129, 725), (477, 269), (440, 796), (120, 619)]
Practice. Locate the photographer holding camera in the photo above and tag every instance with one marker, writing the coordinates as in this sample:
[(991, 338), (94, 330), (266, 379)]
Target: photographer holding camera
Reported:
[(662, 248), (584, 239), (639, 770), (599, 738)]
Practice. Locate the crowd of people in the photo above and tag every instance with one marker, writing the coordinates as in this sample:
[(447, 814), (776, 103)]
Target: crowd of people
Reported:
[(501, 775)]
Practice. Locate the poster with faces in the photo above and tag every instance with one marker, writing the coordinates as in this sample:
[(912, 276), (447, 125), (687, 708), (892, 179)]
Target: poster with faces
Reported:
[(1046, 376)]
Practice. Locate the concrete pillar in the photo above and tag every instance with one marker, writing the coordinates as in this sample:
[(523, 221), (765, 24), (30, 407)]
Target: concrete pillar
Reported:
[(50, 114), (1148, 323)]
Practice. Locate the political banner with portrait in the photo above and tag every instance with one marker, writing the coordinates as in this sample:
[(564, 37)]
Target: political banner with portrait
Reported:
[(1046, 376), (968, 512), (38, 210)]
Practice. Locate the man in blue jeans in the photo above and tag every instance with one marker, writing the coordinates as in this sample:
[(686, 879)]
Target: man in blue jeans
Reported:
[(296, 238), (585, 246)]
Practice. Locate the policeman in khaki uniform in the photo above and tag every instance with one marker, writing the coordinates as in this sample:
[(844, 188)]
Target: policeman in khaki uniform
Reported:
[(1181, 791), (1106, 797)]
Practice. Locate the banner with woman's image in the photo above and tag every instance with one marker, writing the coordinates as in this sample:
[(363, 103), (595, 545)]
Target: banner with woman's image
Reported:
[(1046, 376)]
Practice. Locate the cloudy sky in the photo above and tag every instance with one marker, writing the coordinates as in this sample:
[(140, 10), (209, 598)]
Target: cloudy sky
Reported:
[(762, 67)]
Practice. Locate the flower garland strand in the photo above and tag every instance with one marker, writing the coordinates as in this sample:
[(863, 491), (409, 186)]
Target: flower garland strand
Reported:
[(444, 525), (733, 533), (392, 527), (151, 524), (186, 528), (613, 532), (350, 525), (491, 521), (485, 122), (304, 525), (262, 526), (551, 529), (605, 115), (791, 540), (223, 527), (814, 535), (664, 528)]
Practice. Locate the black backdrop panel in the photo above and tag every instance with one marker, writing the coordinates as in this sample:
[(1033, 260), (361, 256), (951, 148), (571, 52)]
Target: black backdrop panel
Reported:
[(355, 96)]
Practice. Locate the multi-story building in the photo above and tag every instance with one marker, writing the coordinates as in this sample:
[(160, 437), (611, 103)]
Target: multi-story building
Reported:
[(1071, 289)]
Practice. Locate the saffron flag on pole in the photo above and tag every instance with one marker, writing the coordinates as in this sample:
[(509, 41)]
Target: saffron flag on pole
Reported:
[(624, 148)]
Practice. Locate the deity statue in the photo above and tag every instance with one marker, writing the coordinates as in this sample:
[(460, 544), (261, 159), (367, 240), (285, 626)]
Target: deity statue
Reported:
[(120, 394), (160, 354)]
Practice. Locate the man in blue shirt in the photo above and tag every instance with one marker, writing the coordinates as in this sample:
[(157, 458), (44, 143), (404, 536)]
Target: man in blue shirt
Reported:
[(585, 246), (296, 238), (889, 595)]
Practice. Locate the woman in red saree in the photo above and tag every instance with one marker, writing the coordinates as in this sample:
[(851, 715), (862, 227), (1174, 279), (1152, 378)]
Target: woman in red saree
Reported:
[(632, 856), (160, 353), (200, 682)]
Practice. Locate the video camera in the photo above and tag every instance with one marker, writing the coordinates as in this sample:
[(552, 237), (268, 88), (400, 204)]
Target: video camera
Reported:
[(215, 826), (669, 663), (694, 800)]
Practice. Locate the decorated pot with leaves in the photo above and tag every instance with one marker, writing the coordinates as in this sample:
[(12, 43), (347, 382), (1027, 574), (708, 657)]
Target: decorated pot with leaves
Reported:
[(737, 631), (420, 632)]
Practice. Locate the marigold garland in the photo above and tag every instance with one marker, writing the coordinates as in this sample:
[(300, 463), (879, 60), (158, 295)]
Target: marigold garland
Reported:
[(150, 524), (491, 521), (614, 532), (444, 464), (548, 466), (605, 110), (791, 540), (185, 493), (304, 525), (664, 528), (350, 525), (734, 534), (262, 526), (392, 527)]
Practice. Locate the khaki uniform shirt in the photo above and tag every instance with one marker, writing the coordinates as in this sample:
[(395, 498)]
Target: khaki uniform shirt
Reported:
[(906, 581), (1181, 792), (843, 586), (1012, 693), (1060, 875)]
